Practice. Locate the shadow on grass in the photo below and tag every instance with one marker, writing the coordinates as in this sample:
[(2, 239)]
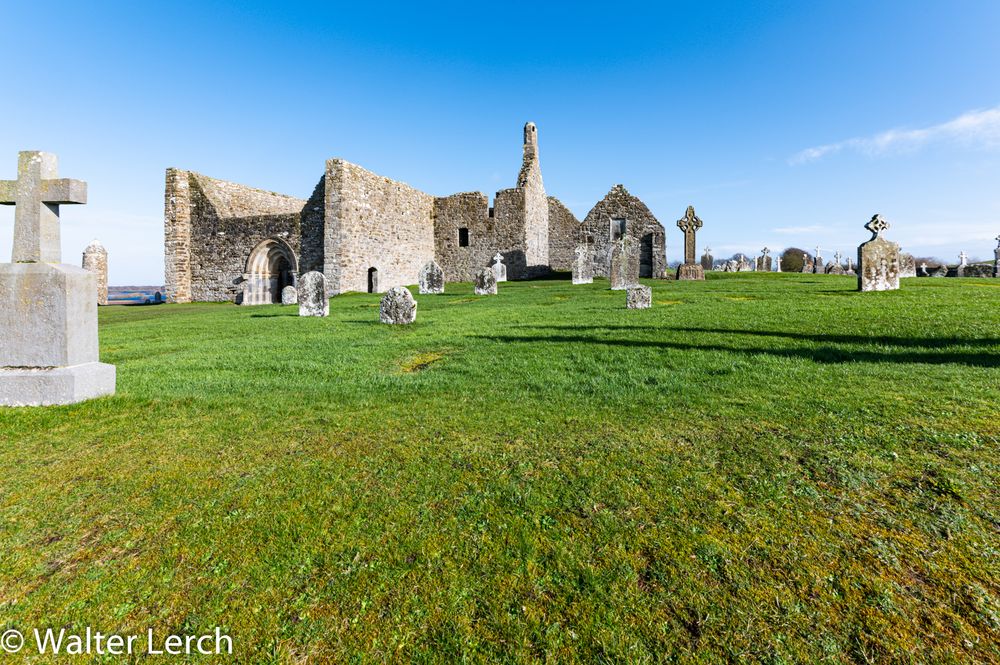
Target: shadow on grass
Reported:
[(914, 342), (271, 316), (820, 355)]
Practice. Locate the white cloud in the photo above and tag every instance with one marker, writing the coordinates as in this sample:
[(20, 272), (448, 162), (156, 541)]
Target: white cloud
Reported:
[(974, 129)]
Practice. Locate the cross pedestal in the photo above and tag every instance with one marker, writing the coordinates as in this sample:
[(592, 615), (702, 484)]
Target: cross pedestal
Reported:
[(48, 310), (689, 224)]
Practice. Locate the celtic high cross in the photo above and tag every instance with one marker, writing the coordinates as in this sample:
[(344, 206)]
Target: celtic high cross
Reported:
[(689, 224)]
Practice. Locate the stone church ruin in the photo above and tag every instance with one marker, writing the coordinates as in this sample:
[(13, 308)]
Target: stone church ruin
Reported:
[(365, 232)]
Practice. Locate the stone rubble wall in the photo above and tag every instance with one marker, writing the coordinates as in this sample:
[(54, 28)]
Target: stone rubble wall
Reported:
[(564, 235), (639, 222), (468, 210), (374, 222), (211, 227)]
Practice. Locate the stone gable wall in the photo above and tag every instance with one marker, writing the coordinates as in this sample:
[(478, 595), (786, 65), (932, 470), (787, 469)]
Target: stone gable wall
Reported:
[(639, 222), (374, 222), (564, 235), (468, 210)]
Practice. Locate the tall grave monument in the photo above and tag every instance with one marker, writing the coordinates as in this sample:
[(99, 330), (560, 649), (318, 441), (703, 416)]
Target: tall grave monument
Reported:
[(48, 310), (878, 259), (996, 259), (689, 224)]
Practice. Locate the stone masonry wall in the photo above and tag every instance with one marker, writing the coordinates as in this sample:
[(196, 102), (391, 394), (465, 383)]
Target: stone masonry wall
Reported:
[(639, 222), (564, 235), (217, 224), (374, 222), (469, 210)]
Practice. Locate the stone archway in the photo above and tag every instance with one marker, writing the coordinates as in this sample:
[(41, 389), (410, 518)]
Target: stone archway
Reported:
[(270, 267)]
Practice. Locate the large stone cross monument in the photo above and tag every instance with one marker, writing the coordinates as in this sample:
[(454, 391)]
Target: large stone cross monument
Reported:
[(878, 259), (48, 310), (689, 224)]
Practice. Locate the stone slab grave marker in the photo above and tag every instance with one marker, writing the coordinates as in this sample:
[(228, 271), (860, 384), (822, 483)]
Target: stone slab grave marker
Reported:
[(707, 259), (289, 295), (499, 269), (878, 259), (312, 295), (95, 259), (689, 225), (48, 310), (398, 306), (963, 263), (486, 282), (807, 264), (764, 260), (431, 279), (818, 263), (638, 297), (583, 265), (618, 273), (835, 267)]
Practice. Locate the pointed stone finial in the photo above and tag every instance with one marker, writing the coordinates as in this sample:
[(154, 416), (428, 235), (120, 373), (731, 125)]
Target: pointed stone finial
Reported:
[(877, 226)]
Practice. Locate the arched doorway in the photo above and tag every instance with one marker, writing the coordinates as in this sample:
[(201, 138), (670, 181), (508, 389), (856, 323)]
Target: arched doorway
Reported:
[(373, 280), (646, 256), (270, 267)]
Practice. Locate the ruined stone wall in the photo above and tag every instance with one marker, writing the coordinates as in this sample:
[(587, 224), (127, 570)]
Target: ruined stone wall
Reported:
[(211, 226), (564, 235), (470, 211), (374, 222), (312, 226), (639, 223)]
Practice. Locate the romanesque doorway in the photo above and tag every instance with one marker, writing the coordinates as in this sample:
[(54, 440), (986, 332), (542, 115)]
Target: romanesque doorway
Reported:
[(270, 267), (646, 256), (373, 280)]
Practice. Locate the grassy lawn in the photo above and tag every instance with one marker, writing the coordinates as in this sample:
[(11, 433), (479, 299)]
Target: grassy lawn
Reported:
[(761, 467)]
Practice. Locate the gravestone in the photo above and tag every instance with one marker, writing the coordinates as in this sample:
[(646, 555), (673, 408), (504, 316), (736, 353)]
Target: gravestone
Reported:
[(907, 265), (878, 259), (48, 310), (807, 264), (431, 279), (764, 261), (398, 306), (744, 265), (850, 265), (583, 265), (707, 259), (312, 295), (835, 267), (777, 263), (996, 259), (638, 297), (689, 225), (289, 295), (818, 263), (963, 263), (95, 259), (618, 265), (922, 271), (499, 269), (486, 282)]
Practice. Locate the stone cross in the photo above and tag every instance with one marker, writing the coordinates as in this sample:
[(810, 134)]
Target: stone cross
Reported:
[(837, 257), (817, 252), (764, 252), (998, 241), (38, 192), (708, 250), (689, 224), (963, 258), (498, 258), (923, 265), (877, 226)]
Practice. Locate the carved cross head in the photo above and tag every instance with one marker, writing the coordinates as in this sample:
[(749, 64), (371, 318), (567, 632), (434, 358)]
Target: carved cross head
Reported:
[(690, 222), (877, 226), (765, 252)]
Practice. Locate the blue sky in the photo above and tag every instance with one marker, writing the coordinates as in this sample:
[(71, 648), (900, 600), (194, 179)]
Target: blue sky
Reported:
[(783, 123)]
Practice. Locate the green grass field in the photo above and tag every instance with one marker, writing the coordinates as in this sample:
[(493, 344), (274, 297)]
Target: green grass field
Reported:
[(766, 468)]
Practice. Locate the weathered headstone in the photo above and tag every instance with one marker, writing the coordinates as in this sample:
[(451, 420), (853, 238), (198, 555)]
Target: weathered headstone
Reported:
[(835, 267), (289, 295), (996, 259), (583, 265), (431, 279), (818, 263), (48, 310), (744, 265), (398, 306), (707, 259), (312, 295), (486, 282), (764, 261), (499, 269), (638, 297), (878, 259), (963, 263), (907, 265), (922, 271), (777, 263), (689, 225), (618, 265), (807, 264), (95, 259)]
